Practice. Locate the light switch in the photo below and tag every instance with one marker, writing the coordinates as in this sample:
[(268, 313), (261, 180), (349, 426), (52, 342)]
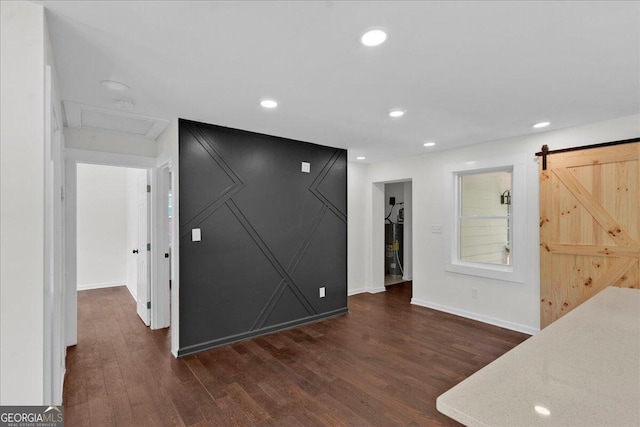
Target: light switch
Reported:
[(195, 235), (322, 292), (306, 167)]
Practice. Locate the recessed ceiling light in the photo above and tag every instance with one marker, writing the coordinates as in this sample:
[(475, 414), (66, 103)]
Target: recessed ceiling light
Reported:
[(542, 410), (373, 37), (269, 103), (541, 125), (429, 144), (361, 158), (113, 85), (125, 104), (397, 112)]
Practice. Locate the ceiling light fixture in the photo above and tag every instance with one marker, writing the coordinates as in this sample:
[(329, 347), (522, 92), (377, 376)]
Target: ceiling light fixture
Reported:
[(125, 104), (542, 410), (361, 158), (114, 85), (269, 103), (397, 112), (429, 144), (373, 37), (541, 125)]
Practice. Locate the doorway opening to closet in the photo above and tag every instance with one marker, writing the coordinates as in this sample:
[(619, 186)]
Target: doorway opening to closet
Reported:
[(397, 233)]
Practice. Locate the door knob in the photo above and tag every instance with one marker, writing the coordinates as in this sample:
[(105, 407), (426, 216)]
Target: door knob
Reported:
[(135, 251)]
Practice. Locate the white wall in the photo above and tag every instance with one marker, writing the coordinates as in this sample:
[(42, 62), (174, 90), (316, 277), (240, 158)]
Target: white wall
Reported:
[(167, 145), (408, 231), (101, 226), (356, 230), (111, 142), (22, 67), (511, 305)]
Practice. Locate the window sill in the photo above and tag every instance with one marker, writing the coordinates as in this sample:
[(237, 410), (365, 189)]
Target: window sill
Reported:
[(505, 273)]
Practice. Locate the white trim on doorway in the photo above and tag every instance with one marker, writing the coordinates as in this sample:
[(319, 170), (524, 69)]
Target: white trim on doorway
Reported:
[(109, 159), (160, 316), (376, 276), (160, 275)]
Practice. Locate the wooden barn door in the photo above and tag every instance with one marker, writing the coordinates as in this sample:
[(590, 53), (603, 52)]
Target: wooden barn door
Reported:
[(589, 225)]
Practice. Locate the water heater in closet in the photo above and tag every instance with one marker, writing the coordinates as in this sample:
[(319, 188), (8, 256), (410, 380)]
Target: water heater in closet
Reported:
[(393, 249)]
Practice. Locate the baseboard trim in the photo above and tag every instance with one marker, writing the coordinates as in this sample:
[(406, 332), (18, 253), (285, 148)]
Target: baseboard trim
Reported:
[(63, 376), (196, 348), (365, 290), (475, 316), (100, 285), (135, 298)]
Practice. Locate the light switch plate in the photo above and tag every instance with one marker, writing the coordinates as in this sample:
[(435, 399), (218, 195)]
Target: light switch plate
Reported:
[(322, 292), (306, 167), (196, 236)]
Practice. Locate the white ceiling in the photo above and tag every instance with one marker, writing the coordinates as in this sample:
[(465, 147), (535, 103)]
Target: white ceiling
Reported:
[(466, 72)]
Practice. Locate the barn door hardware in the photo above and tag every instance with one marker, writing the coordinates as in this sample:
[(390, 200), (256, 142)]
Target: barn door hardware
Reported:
[(544, 152)]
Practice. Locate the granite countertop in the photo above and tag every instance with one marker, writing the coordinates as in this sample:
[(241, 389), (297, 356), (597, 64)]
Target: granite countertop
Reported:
[(582, 370)]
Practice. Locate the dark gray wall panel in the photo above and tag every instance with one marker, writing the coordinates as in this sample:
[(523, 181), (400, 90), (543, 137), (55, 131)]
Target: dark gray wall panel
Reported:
[(210, 182), (217, 288), (286, 309), (320, 267), (271, 235)]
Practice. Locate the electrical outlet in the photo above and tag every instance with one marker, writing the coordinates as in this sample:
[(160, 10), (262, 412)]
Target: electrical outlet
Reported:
[(436, 229), (306, 167), (474, 292), (322, 292)]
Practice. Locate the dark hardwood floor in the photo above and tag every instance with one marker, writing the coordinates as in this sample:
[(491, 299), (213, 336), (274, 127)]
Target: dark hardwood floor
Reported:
[(382, 364)]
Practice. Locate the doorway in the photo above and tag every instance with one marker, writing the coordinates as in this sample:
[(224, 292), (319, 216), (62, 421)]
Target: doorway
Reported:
[(398, 232), (157, 282), (113, 245)]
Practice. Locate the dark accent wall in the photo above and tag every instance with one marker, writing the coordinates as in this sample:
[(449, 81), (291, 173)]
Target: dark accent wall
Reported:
[(271, 234)]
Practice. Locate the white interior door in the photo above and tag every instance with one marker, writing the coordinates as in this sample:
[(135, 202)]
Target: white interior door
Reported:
[(143, 291), (161, 237)]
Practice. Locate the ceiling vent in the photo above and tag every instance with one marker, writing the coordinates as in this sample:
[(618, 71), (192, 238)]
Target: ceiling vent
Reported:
[(90, 117)]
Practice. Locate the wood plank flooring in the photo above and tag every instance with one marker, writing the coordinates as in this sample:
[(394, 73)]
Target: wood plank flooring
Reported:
[(382, 364)]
